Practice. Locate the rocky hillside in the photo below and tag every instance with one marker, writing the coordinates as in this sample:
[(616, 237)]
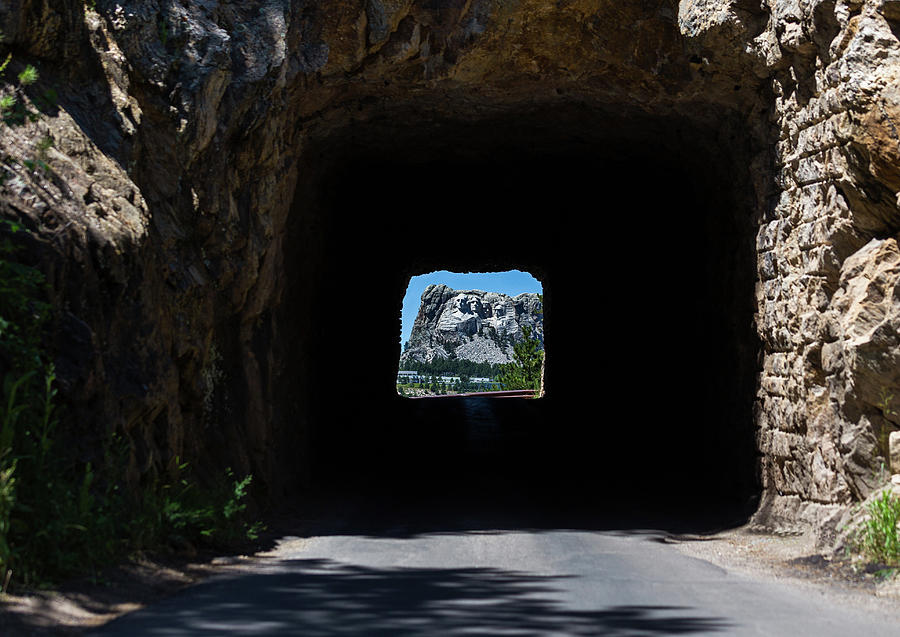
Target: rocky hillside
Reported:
[(472, 325)]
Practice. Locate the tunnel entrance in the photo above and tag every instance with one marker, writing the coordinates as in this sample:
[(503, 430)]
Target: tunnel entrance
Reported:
[(642, 231)]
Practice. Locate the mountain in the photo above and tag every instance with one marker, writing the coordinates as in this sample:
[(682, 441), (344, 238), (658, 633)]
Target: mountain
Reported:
[(481, 327)]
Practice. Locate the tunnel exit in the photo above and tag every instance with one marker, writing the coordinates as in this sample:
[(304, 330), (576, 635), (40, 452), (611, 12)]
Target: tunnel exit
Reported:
[(478, 333)]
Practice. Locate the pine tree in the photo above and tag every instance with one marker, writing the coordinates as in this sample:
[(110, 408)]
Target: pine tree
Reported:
[(525, 371)]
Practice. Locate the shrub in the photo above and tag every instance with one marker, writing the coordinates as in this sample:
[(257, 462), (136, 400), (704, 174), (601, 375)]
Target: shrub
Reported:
[(178, 512), (877, 536)]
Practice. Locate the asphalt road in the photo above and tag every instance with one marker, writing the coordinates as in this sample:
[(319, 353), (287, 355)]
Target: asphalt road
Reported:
[(481, 582)]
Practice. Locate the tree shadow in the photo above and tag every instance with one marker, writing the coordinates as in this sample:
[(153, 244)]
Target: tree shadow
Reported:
[(323, 597)]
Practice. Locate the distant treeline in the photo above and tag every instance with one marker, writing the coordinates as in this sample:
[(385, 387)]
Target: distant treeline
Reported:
[(454, 367)]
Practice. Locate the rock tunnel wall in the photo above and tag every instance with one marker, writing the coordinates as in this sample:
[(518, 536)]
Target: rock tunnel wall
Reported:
[(181, 225)]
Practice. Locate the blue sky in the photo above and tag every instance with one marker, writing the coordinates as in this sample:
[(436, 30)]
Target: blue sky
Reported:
[(512, 282)]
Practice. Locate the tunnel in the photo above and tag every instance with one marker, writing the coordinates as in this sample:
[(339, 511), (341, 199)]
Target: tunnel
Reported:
[(640, 228)]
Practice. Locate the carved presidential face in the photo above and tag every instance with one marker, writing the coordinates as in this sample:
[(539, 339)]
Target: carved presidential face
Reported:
[(467, 304)]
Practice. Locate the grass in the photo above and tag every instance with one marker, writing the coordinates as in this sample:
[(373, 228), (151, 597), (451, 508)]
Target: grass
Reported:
[(877, 536)]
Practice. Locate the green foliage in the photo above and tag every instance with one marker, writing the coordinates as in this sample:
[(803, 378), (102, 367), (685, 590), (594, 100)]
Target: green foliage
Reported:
[(525, 371), (47, 509), (877, 537), (456, 367), (60, 515), (28, 418), (28, 76), (23, 308), (179, 512), (13, 107)]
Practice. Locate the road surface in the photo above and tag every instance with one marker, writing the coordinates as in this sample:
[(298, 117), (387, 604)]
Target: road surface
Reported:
[(483, 582)]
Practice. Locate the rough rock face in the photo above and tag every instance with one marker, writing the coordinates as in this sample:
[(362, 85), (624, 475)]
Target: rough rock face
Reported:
[(471, 325), (827, 256), (180, 224)]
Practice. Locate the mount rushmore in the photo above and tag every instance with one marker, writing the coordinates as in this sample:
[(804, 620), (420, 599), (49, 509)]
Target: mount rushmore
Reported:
[(473, 325)]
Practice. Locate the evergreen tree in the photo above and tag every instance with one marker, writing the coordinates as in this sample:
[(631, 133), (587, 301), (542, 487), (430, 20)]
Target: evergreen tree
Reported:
[(457, 367), (525, 371)]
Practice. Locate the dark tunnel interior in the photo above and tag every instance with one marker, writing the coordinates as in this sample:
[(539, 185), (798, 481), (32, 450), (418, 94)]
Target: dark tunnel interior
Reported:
[(642, 234)]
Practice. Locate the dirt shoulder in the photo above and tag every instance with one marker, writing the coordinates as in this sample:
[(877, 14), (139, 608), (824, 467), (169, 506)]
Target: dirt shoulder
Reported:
[(88, 602), (793, 558)]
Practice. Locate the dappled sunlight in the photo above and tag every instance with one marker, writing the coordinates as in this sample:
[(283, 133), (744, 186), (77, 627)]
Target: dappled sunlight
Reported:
[(313, 597)]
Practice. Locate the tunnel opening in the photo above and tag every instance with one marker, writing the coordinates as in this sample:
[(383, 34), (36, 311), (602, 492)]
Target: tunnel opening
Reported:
[(641, 229), (471, 333)]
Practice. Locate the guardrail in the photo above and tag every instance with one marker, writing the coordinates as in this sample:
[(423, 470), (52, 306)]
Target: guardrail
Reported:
[(513, 393)]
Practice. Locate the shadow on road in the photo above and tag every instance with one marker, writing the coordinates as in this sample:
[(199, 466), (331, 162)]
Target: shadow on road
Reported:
[(322, 597)]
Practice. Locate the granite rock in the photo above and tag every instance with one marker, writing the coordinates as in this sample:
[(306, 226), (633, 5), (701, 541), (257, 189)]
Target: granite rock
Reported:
[(471, 325)]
